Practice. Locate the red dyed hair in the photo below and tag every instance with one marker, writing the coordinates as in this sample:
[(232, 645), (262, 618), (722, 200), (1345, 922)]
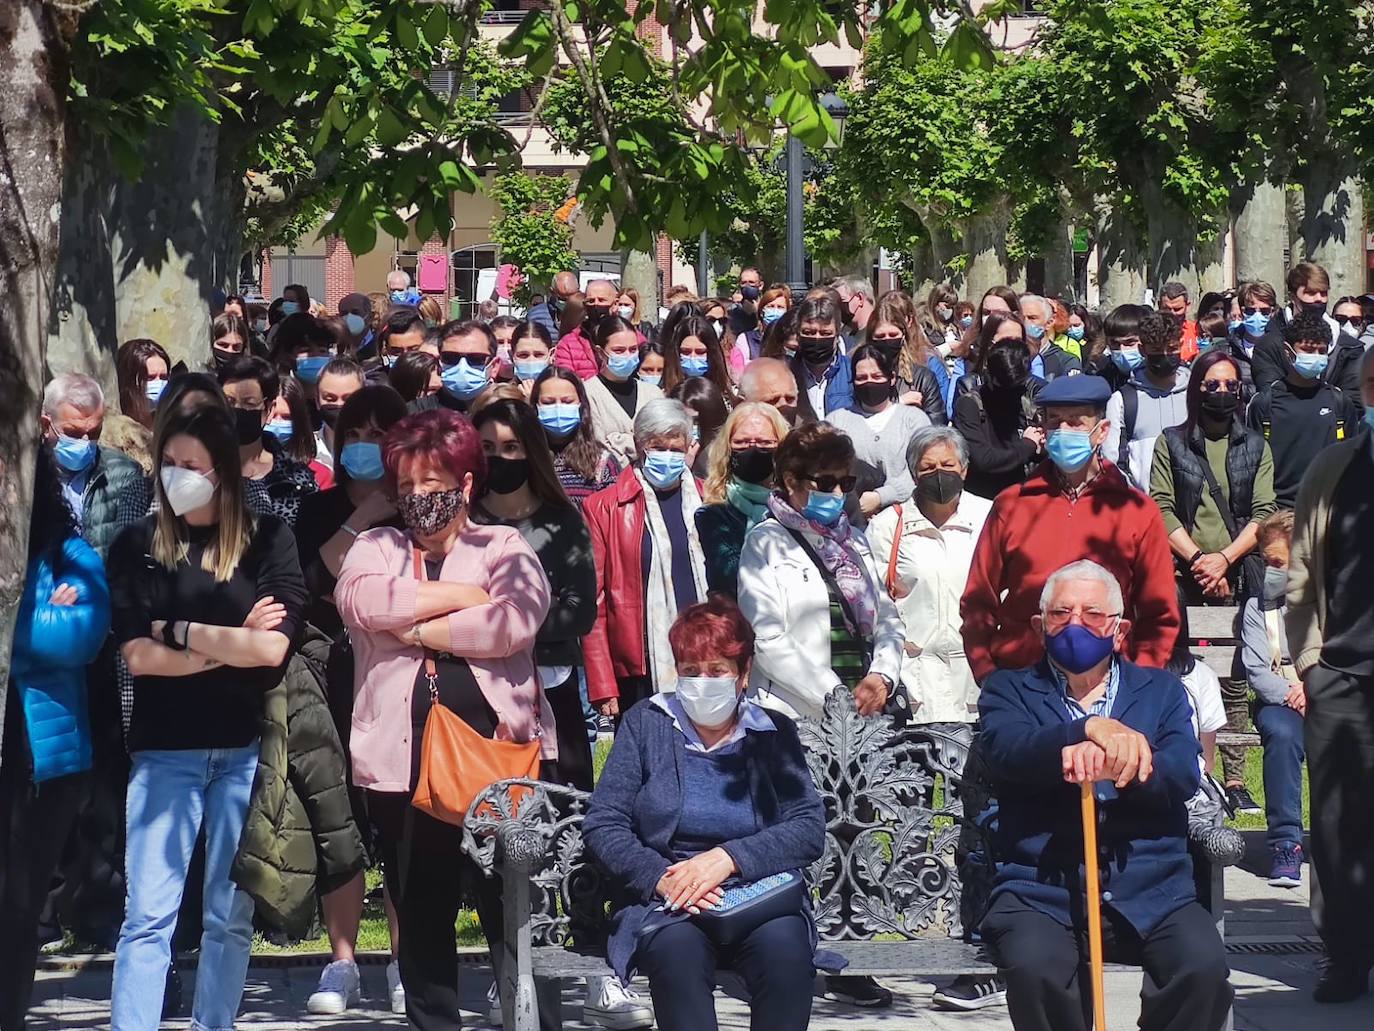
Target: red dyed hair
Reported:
[(712, 629), (445, 438)]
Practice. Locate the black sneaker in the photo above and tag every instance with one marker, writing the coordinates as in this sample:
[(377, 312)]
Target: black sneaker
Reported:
[(971, 992), (858, 991), (1240, 800), (1341, 982), (173, 1004)]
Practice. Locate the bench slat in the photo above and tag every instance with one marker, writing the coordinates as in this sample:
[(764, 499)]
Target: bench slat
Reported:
[(1218, 658), (1211, 621)]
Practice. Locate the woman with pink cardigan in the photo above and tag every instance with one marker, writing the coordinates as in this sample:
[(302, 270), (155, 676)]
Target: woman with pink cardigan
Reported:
[(483, 600)]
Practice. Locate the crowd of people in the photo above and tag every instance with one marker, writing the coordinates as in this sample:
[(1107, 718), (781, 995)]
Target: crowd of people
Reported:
[(269, 601)]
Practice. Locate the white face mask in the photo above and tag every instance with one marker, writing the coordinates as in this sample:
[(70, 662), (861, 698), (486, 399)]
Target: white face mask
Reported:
[(708, 701), (186, 489)]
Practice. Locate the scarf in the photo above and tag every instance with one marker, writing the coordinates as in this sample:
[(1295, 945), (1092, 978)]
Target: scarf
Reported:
[(660, 600), (838, 552), (749, 498)]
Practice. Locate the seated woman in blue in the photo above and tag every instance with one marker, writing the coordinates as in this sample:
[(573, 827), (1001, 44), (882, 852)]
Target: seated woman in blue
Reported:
[(703, 787)]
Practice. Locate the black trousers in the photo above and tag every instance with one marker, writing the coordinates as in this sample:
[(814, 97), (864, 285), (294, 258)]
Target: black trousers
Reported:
[(1046, 968), (1339, 736), (574, 765), (775, 961), (430, 879), (35, 821)]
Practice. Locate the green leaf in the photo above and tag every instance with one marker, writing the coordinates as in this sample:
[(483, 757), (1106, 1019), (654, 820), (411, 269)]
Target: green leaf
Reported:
[(436, 26), (390, 129), (405, 32)]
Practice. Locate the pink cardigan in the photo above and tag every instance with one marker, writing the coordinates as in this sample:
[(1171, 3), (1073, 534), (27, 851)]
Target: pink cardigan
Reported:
[(376, 594)]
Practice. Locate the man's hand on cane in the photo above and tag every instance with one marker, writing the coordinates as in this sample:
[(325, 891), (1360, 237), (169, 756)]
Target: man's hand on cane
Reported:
[(1127, 751)]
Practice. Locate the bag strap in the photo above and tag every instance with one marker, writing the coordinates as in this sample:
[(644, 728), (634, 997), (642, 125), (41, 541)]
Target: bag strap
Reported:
[(1271, 632), (1130, 410), (431, 670), (1214, 488), (829, 578), (892, 558)]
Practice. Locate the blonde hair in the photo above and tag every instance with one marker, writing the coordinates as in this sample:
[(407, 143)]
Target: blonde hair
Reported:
[(718, 453), (430, 310), (209, 424), (1274, 528)]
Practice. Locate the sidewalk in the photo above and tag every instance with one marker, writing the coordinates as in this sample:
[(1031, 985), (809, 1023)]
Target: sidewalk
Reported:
[(1270, 937)]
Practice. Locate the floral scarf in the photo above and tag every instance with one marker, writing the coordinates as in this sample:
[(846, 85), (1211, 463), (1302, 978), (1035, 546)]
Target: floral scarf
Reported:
[(842, 560)]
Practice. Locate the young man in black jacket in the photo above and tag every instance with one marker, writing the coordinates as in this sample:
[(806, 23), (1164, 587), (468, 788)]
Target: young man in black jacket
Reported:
[(1303, 412), (1309, 288)]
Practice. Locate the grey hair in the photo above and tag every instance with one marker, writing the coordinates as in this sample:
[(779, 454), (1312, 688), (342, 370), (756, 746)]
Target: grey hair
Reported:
[(394, 279), (927, 437), (750, 377), (1083, 569), (662, 417), (859, 285), (1045, 305), (72, 388)]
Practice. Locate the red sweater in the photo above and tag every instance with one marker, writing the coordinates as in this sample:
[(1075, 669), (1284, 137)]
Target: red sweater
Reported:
[(1034, 529)]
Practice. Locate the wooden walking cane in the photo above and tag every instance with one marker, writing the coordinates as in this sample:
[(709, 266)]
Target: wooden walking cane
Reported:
[(1093, 894)]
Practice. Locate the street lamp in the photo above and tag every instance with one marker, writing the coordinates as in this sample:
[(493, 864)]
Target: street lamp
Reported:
[(796, 172)]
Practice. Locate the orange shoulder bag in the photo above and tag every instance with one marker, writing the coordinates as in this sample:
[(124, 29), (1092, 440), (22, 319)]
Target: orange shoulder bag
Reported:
[(457, 763)]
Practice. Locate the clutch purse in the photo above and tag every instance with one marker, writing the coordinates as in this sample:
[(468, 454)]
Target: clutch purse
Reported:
[(744, 907)]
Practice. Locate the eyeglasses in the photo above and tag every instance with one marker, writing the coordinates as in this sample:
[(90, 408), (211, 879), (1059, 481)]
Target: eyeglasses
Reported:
[(1214, 386), (245, 406), (448, 359), (827, 484), (1095, 620)]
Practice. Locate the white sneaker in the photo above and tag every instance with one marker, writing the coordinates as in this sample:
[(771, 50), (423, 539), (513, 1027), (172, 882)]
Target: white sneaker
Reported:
[(616, 1006), (395, 991), (338, 988), (494, 1016)]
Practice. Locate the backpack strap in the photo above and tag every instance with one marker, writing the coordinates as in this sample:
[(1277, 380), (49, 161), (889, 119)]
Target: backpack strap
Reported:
[(1130, 404), (892, 558)]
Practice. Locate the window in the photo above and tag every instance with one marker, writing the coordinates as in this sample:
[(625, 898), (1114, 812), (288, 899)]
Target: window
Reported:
[(468, 265)]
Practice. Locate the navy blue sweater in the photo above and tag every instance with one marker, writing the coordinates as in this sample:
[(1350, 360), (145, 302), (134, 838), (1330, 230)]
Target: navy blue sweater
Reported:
[(633, 814)]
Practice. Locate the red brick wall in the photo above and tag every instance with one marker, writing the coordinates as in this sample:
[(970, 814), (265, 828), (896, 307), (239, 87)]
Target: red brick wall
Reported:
[(267, 275), (338, 272), (438, 246)]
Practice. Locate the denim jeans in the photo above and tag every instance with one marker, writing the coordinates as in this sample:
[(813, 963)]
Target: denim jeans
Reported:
[(171, 793), (1280, 730)]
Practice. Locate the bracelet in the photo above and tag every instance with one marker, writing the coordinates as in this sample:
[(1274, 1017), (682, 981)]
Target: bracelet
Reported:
[(349, 530), (415, 635), (1197, 555), (169, 637)]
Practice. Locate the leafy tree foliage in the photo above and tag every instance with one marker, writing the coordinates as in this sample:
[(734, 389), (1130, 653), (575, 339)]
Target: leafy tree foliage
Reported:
[(532, 229)]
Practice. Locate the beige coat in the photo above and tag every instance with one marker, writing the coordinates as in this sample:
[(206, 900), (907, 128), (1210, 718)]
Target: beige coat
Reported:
[(612, 428), (1305, 621)]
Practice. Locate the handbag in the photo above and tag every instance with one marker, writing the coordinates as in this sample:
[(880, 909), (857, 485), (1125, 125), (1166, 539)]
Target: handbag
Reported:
[(457, 763), (744, 907)]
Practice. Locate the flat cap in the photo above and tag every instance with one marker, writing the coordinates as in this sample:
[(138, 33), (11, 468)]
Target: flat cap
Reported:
[(1075, 390)]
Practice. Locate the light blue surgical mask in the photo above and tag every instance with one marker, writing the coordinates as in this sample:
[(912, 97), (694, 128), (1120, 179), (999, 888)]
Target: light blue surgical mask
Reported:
[(74, 455), (1233, 326), (966, 321), (532, 369), (466, 379), (290, 308), (308, 369), (1275, 582), (1071, 450), (824, 507), (1310, 365), (153, 390), (695, 365), (1256, 324), (651, 378), (1034, 331), (355, 324), (771, 315), (279, 428), (560, 419), (1127, 359), (622, 365), (664, 469), (1075, 332), (362, 460)]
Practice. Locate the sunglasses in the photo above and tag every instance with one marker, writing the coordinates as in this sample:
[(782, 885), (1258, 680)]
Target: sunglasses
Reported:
[(827, 484), (448, 360), (1215, 386), (1256, 311)]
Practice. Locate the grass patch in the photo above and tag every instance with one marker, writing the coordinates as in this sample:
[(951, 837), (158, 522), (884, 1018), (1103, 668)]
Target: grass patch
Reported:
[(1254, 780)]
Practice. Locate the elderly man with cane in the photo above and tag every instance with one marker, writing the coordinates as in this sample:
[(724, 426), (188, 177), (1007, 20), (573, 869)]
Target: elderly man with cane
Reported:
[(1084, 715)]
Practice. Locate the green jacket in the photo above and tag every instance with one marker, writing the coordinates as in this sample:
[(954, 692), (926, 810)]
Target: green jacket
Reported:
[(300, 837), (112, 472)]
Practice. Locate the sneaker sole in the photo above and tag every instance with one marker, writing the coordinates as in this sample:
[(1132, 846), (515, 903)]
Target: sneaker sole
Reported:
[(1285, 882), (865, 1004), (617, 1021), (945, 1002), (326, 1007), (399, 1008)]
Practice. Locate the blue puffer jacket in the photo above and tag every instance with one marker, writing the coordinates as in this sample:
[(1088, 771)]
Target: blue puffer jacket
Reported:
[(52, 646)]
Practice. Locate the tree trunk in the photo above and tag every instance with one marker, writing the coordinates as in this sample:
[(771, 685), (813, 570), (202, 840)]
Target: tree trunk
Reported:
[(1261, 236), (1120, 267), (35, 50), (1059, 263), (1171, 237), (1332, 223), (986, 240), (639, 271), (1210, 258)]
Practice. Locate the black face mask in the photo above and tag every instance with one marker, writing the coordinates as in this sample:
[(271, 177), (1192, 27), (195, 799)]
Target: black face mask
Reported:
[(505, 475), (816, 350), (592, 316), (789, 415), (751, 465), (749, 293), (249, 426), (222, 358), (871, 395), (1162, 364), (329, 415), (889, 349), (940, 487), (1220, 406), (1313, 307)]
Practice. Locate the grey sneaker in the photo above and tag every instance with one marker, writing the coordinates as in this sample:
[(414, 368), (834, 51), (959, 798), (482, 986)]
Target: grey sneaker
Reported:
[(971, 992), (614, 1005), (338, 989)]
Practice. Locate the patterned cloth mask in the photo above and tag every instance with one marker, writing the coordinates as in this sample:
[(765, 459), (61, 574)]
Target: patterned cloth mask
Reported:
[(427, 514)]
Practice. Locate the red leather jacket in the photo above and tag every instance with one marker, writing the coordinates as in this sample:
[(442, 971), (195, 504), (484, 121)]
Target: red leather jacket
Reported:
[(615, 647)]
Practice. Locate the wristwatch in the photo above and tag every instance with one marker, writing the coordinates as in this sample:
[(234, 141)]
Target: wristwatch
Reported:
[(891, 686)]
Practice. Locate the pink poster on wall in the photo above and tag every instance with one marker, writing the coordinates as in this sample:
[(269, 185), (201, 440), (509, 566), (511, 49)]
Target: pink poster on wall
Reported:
[(433, 273)]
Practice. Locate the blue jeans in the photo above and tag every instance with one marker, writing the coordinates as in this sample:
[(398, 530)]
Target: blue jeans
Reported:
[(171, 793), (1280, 730)]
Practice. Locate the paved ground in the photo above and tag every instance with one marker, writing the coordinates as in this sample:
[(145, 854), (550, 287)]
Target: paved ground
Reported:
[(1271, 938)]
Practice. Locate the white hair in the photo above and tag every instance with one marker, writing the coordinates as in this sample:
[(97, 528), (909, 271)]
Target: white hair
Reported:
[(398, 279), (749, 379), (1083, 569), (927, 437), (662, 417), (859, 285), (1045, 305), (72, 388)]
